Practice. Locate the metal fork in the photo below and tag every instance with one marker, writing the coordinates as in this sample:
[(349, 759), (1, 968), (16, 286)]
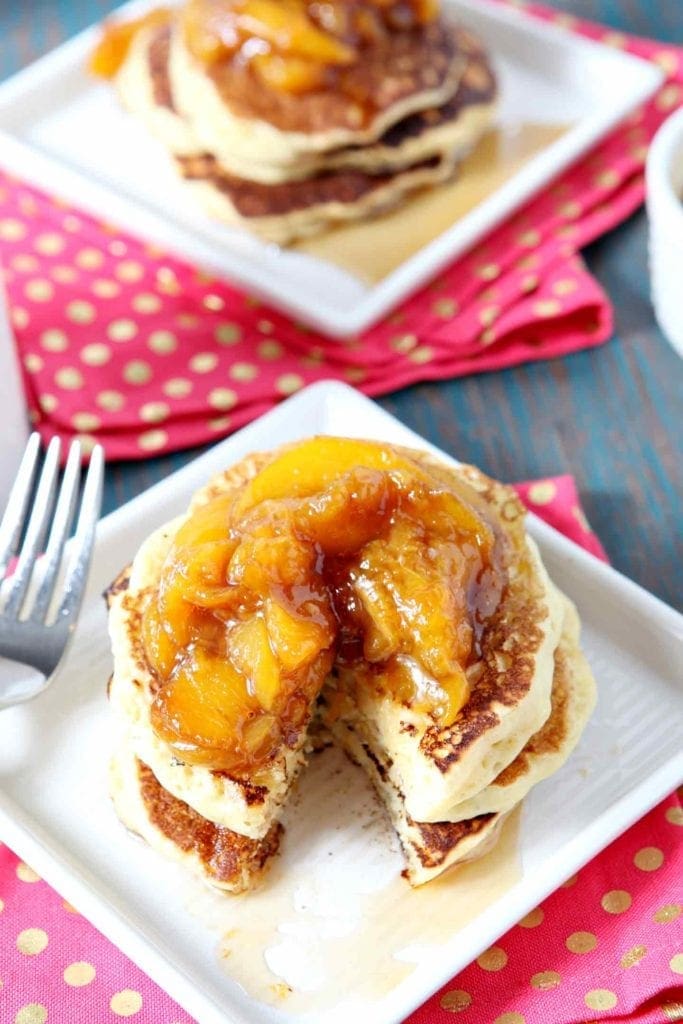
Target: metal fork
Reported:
[(32, 630)]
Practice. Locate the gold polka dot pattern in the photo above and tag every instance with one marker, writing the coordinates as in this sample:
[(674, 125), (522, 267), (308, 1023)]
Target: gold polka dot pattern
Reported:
[(122, 330), (288, 383), (162, 342), (542, 492), (32, 941), (533, 918), (633, 957), (455, 1001), (126, 1003), (545, 980), (581, 942), (79, 974), (96, 354), (674, 815), (32, 1013), (650, 858), (80, 311), (203, 362), (153, 440), (154, 412), (616, 901), (600, 999), (243, 371), (26, 874), (493, 959), (668, 913)]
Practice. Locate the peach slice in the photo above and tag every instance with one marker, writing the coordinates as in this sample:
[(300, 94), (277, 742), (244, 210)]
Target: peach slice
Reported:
[(309, 467), (296, 640), (251, 654), (202, 709)]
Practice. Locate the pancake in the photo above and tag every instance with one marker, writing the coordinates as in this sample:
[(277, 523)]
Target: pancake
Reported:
[(298, 209), (572, 701), (225, 859), (436, 767), (145, 89), (232, 116)]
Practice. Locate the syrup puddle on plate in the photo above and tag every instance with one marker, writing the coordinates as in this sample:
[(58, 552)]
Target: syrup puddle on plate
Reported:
[(333, 922), (372, 249)]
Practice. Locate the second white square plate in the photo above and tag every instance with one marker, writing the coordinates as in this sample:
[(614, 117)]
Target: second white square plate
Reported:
[(334, 934), (67, 133)]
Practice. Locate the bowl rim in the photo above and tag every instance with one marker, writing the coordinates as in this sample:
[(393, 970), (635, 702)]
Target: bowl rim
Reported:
[(660, 189)]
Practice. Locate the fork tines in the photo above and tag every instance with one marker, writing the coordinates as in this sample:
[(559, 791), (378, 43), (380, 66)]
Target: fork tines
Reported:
[(49, 516)]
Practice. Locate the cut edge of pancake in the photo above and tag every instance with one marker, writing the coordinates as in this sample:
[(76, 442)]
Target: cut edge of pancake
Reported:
[(431, 842), (430, 848), (225, 859)]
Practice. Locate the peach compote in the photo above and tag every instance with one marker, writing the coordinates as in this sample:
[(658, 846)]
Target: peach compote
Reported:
[(295, 45), (336, 551), (117, 37)]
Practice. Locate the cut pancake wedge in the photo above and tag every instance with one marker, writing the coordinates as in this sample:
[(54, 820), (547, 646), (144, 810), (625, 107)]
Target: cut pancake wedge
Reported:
[(432, 847), (447, 773), (225, 859)]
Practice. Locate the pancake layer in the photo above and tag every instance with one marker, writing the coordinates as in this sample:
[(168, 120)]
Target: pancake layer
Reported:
[(225, 859)]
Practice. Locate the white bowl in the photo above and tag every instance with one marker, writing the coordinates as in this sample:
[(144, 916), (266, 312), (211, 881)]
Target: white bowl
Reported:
[(664, 180)]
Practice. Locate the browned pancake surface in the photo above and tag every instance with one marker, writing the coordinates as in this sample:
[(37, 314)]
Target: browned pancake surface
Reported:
[(439, 838), (256, 199), (550, 738), (225, 855)]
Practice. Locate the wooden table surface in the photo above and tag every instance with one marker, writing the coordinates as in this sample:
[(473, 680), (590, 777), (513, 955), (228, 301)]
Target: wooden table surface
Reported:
[(612, 416)]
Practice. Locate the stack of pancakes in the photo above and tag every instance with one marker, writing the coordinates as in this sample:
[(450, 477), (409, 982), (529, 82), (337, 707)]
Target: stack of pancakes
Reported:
[(289, 164), (446, 789)]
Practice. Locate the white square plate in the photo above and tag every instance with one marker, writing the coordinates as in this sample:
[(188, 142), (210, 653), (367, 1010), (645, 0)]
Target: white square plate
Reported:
[(336, 887), (66, 132)]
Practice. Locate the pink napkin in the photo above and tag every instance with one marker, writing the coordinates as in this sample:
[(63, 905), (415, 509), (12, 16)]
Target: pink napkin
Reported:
[(123, 344), (606, 946)]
